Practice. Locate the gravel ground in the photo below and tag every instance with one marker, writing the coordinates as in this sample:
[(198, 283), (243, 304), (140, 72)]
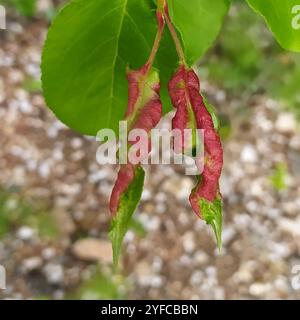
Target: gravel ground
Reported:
[(177, 258)]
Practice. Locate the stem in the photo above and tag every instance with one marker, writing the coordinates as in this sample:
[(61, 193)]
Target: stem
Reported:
[(150, 61), (160, 25), (160, 5), (174, 35)]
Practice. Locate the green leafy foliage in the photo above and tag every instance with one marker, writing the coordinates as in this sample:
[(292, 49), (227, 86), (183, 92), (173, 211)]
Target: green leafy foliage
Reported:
[(91, 42), (16, 211), (26, 8), (100, 286), (31, 85), (283, 18), (245, 68), (198, 22), (88, 48), (286, 90), (233, 66), (278, 178), (123, 219)]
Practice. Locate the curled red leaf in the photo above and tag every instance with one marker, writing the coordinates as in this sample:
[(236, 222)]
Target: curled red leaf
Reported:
[(144, 111), (184, 89)]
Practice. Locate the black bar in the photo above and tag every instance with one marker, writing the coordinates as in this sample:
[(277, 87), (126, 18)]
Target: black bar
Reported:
[(97, 310)]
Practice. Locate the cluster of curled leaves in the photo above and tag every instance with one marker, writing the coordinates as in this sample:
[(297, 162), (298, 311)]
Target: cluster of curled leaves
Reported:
[(85, 62)]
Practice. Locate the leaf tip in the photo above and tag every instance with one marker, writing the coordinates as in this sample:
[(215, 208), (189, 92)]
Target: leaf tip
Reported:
[(121, 222), (212, 214)]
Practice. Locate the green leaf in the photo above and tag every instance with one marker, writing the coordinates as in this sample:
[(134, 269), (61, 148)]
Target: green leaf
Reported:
[(198, 22), (123, 219), (90, 43), (283, 18), (88, 47), (212, 214)]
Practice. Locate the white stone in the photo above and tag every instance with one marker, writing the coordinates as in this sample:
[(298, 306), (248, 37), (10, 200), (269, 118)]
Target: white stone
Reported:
[(156, 282), (227, 235), (93, 250), (286, 123), (48, 253), (32, 263), (188, 242), (25, 106), (184, 189), (259, 289), (149, 223), (243, 275), (160, 208), (249, 154), (201, 257), (76, 143), (129, 237), (25, 233), (97, 176), (196, 278), (256, 189), (146, 195), (290, 226), (54, 273), (44, 169), (157, 264)]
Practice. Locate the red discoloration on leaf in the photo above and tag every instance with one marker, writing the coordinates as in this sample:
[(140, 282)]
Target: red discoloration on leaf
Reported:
[(134, 78), (184, 89), (144, 111), (125, 177), (177, 93)]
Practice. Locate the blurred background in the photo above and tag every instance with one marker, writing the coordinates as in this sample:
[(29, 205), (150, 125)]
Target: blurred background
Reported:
[(53, 195)]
